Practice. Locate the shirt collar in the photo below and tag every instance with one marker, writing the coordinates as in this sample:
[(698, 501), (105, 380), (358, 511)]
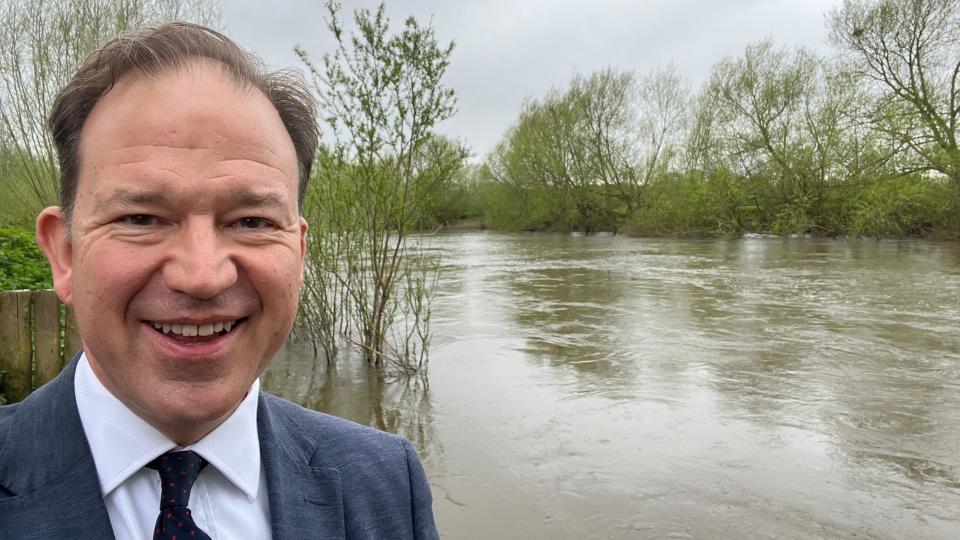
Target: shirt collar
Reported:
[(122, 443)]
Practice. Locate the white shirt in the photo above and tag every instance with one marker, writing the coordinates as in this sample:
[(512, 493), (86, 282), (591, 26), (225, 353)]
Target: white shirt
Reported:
[(229, 499)]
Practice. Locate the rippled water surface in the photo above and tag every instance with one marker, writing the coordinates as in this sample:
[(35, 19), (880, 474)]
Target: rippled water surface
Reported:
[(610, 387)]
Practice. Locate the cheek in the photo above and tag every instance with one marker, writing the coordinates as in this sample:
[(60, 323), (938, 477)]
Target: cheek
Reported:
[(280, 291), (288, 291), (111, 276)]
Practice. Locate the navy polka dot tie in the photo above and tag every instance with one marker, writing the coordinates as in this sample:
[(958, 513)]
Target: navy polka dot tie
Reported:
[(178, 471)]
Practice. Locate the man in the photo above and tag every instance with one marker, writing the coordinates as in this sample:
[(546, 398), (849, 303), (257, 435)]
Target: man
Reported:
[(179, 244)]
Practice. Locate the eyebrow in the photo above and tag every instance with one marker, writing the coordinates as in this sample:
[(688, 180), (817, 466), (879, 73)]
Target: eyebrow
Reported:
[(135, 198), (261, 200), (237, 198)]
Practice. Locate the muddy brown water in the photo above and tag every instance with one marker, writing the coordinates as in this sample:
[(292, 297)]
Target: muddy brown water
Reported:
[(611, 387)]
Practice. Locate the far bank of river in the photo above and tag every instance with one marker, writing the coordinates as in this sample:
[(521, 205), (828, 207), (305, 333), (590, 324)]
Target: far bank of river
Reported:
[(614, 387)]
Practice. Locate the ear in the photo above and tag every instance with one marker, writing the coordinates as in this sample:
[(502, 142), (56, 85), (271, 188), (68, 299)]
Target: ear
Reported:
[(52, 238), (304, 226)]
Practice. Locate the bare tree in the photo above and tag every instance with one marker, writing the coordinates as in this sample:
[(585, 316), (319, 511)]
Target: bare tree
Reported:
[(759, 99), (910, 50), (663, 119), (42, 43), (604, 126)]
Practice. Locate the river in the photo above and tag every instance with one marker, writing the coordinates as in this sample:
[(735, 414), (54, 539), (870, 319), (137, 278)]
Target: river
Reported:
[(613, 387)]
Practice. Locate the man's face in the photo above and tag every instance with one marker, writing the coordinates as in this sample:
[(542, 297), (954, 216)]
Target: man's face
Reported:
[(186, 258)]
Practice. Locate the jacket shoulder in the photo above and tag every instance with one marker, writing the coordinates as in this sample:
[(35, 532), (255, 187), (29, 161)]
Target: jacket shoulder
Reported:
[(385, 492)]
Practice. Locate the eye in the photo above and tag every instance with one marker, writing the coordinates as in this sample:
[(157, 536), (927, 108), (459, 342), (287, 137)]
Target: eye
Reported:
[(139, 220), (253, 223)]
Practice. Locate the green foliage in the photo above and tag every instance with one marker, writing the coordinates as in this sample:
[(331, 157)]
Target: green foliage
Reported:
[(16, 206), (692, 205), (902, 206), (384, 174), (794, 216), (22, 264), (778, 140), (574, 156), (503, 205), (441, 184), (542, 208)]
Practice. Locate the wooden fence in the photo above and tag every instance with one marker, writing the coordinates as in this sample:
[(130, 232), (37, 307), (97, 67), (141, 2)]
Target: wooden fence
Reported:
[(37, 338)]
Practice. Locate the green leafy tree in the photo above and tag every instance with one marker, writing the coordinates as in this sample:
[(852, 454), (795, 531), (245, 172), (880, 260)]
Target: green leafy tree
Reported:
[(777, 140), (440, 182), (578, 156), (540, 156), (381, 94), (782, 123), (604, 128)]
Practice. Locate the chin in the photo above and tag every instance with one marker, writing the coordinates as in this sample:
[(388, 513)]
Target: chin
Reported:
[(203, 412)]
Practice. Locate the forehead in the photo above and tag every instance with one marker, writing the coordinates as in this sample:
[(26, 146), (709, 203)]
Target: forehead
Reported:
[(197, 107)]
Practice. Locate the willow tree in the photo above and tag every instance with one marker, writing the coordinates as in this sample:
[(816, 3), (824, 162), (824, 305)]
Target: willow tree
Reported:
[(605, 122), (541, 160), (663, 121), (42, 43), (782, 121), (581, 155), (909, 51), (381, 93), (759, 99)]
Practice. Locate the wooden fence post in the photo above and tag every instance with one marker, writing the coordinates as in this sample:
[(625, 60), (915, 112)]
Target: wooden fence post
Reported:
[(15, 343), (46, 326)]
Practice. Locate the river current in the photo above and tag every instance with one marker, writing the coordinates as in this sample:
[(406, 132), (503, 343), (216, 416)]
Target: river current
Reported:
[(613, 387)]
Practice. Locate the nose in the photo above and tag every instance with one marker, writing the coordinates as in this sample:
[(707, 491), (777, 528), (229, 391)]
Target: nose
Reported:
[(199, 262)]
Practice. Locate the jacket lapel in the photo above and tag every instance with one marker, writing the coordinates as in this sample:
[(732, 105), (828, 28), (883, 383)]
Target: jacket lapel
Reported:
[(49, 487), (305, 501), (48, 480)]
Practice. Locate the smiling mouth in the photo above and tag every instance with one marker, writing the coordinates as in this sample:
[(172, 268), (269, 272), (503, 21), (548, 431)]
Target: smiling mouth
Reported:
[(195, 333)]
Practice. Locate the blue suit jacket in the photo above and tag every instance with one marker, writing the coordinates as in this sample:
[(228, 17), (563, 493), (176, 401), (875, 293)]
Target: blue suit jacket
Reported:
[(326, 477)]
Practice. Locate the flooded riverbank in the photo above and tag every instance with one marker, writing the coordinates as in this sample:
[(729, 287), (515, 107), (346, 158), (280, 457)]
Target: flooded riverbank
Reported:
[(611, 387)]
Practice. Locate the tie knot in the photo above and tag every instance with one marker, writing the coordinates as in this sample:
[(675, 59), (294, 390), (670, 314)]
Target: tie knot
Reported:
[(178, 471)]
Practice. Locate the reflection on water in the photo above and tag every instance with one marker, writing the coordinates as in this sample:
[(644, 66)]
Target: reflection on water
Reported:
[(607, 387), (349, 390)]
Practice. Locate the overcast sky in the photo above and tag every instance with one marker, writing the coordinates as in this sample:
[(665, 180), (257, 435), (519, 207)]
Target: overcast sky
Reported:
[(509, 50)]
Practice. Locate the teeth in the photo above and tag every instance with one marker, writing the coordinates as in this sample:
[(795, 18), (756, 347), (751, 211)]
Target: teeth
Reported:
[(190, 330)]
